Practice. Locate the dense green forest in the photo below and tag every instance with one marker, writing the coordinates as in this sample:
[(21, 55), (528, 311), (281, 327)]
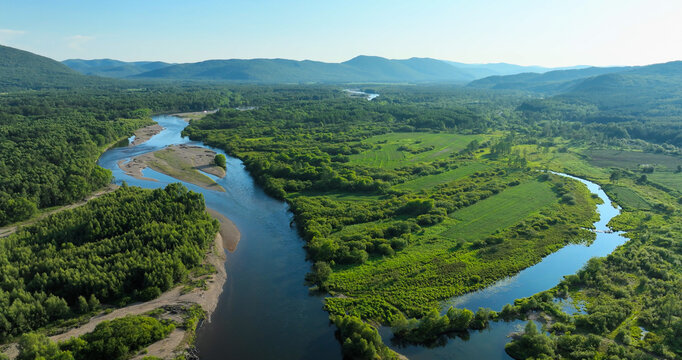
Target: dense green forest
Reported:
[(50, 140), (128, 245)]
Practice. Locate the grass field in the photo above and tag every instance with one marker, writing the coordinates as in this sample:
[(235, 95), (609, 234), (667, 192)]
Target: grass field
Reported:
[(429, 181), (388, 155), (668, 179), (630, 159), (627, 198), (500, 211)]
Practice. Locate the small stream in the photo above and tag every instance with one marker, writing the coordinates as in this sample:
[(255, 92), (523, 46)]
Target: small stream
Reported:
[(266, 311)]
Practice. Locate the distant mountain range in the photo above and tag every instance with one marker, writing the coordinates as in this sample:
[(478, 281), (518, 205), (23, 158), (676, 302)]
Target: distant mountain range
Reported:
[(552, 82), (359, 69), (113, 68), (608, 86)]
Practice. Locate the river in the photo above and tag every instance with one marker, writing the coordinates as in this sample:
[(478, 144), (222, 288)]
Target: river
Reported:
[(266, 311)]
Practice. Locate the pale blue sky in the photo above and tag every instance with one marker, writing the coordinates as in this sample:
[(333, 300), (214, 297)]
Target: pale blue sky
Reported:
[(527, 32)]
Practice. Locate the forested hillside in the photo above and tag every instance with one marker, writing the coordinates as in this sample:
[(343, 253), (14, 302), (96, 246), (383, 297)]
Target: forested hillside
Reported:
[(639, 104), (552, 82), (113, 68), (22, 70)]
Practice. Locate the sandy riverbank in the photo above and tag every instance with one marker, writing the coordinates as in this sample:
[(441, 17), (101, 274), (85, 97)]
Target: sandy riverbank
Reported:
[(183, 162), (146, 133), (187, 116), (228, 230)]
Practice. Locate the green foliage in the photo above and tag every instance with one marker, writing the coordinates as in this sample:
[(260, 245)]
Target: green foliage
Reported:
[(130, 244), (531, 345), (118, 338), (431, 327), (220, 160), (37, 346), (319, 274), (500, 211), (22, 70), (360, 340)]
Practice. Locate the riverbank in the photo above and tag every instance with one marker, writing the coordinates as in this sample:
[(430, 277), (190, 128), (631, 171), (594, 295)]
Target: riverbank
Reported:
[(187, 116), (228, 230), (183, 162), (146, 133)]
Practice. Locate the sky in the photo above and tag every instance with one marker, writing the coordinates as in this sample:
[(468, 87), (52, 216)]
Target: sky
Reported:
[(526, 32)]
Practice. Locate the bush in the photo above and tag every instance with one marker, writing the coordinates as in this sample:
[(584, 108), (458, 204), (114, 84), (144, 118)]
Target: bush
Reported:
[(531, 345), (220, 160)]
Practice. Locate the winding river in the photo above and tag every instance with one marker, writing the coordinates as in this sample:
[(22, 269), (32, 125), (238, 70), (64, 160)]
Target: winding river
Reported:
[(266, 311)]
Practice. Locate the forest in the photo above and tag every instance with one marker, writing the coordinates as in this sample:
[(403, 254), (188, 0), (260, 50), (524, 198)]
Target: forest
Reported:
[(125, 246)]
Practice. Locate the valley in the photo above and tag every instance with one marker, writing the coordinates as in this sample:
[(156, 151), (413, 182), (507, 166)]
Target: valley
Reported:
[(519, 215)]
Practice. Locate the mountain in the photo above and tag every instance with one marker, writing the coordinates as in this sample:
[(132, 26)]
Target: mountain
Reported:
[(491, 69), (655, 87), (411, 70), (552, 82), (113, 68), (358, 69), (22, 70)]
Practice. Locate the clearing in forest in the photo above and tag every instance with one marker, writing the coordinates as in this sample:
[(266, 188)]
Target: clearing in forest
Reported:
[(400, 149), (429, 181), (500, 211)]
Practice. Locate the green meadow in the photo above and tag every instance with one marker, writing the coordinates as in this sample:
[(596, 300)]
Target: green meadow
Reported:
[(500, 211), (399, 149), (430, 181)]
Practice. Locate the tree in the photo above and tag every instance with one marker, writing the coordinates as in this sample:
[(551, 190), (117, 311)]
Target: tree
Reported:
[(532, 344), (35, 346), (615, 175), (220, 160), (320, 273), (82, 305)]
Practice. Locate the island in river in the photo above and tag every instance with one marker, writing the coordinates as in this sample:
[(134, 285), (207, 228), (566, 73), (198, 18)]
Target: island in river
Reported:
[(183, 162)]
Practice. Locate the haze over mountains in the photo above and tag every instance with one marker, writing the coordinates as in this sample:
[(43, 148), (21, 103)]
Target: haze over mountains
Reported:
[(113, 68), (24, 70), (359, 69)]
